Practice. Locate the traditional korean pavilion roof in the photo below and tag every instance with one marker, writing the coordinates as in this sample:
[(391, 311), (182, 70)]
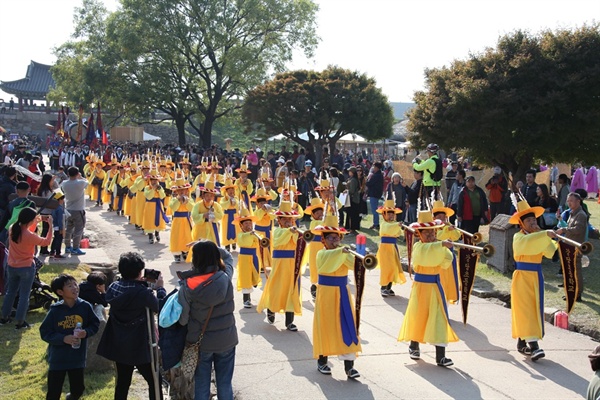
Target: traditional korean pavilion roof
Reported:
[(35, 85)]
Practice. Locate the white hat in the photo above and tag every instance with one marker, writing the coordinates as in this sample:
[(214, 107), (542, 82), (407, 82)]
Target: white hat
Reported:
[(308, 163), (281, 160)]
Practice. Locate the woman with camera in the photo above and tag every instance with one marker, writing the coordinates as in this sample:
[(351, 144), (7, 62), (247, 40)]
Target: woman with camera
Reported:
[(21, 268), (125, 338), (207, 295)]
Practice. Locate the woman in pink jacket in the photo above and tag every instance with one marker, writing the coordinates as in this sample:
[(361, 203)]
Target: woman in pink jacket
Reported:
[(21, 268)]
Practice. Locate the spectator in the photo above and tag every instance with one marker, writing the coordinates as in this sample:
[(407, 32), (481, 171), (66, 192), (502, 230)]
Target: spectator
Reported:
[(472, 205), (74, 190), (387, 172), (375, 191), (548, 203), (337, 158), (397, 189), (22, 189), (8, 186), (563, 191), (529, 189), (45, 191), (430, 170), (593, 391), (59, 330), (300, 160), (93, 289), (20, 267), (496, 192), (11, 106), (353, 188), (412, 194), (207, 292), (125, 338), (451, 177)]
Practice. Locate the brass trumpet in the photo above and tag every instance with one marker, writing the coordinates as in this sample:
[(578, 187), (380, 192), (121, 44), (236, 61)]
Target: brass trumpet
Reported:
[(369, 260), (264, 241), (407, 228), (476, 237), (488, 250), (307, 235), (585, 247)]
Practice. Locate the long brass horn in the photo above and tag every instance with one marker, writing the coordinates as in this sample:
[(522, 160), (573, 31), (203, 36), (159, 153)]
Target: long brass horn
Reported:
[(307, 235), (369, 260), (264, 241), (585, 247), (488, 250), (476, 237)]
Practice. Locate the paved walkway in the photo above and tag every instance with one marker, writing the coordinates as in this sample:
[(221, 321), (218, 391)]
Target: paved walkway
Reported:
[(274, 363)]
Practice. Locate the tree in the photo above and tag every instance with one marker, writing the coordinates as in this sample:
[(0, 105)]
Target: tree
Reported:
[(533, 97), (327, 105)]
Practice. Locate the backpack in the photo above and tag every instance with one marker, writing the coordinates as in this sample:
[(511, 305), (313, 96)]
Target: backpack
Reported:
[(438, 174), (17, 210)]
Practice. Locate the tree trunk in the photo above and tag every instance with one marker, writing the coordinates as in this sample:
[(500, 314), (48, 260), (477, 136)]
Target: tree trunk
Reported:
[(206, 133), (180, 123)]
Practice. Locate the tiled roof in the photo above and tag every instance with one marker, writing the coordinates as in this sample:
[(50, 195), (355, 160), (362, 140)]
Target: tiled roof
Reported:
[(36, 83)]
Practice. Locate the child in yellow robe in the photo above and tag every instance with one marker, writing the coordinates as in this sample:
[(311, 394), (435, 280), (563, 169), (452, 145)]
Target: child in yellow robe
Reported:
[(449, 276), (154, 219), (230, 205), (181, 229), (264, 222), (316, 212), (248, 263), (388, 256)]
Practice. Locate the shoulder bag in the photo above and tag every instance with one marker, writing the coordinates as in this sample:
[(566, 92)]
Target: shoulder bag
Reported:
[(189, 359)]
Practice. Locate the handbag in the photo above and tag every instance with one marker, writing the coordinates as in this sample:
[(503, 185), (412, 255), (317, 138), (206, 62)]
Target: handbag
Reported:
[(344, 199), (189, 359), (170, 312)]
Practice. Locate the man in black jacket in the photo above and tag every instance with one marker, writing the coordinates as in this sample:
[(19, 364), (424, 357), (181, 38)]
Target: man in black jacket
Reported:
[(375, 191), (472, 205)]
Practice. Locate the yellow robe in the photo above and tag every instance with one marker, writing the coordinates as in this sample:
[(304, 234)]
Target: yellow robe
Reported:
[(120, 181), (527, 294), (181, 228), (327, 327), (243, 192), (96, 191), (87, 172), (128, 207), (205, 229), (153, 206), (106, 186), (426, 320), (450, 276), (313, 248), (388, 255), (281, 293), (139, 201), (248, 267), (166, 184), (264, 227), (230, 211)]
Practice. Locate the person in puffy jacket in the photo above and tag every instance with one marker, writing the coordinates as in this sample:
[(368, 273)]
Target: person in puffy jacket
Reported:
[(208, 285)]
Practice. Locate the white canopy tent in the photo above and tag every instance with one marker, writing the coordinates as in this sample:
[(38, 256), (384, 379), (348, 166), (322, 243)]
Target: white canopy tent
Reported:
[(148, 136), (348, 138)]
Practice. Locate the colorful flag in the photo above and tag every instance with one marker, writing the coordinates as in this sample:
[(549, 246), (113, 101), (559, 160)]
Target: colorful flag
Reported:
[(91, 132), (80, 124), (100, 128)]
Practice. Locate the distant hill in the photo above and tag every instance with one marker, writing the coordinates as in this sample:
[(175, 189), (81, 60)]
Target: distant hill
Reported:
[(400, 109)]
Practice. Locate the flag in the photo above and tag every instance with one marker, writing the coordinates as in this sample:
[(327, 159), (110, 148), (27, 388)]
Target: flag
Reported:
[(59, 124), (65, 120), (100, 128), (80, 124), (91, 132)]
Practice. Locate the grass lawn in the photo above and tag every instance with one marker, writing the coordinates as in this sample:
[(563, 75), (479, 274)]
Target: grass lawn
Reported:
[(23, 368), (584, 315)]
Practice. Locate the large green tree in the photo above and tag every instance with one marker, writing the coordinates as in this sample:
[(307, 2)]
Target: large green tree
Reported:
[(327, 105), (532, 97)]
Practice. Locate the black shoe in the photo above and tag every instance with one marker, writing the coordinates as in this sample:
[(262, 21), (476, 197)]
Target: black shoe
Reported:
[(537, 354), (110, 209), (270, 317), (157, 236), (177, 258), (151, 238), (44, 253), (5, 321), (292, 328), (414, 354), (313, 292), (391, 292), (524, 350), (445, 362), (324, 369), (561, 285), (23, 325), (352, 374)]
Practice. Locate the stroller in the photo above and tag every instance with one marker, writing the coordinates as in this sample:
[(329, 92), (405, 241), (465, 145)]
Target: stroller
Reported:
[(41, 294)]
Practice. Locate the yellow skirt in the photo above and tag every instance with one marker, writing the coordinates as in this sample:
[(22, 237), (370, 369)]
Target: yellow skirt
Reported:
[(248, 272), (525, 306), (140, 205), (388, 258), (425, 320), (149, 221), (181, 234), (281, 293), (313, 249), (450, 285)]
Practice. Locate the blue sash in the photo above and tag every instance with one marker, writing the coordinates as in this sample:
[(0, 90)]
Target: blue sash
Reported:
[(183, 214), (423, 278), (532, 267), (284, 253), (388, 240), (230, 227), (250, 251), (455, 274), (264, 229), (317, 238), (246, 198), (158, 212), (216, 232), (346, 318)]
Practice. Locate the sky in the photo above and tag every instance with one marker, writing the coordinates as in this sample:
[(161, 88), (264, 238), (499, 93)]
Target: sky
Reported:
[(393, 41)]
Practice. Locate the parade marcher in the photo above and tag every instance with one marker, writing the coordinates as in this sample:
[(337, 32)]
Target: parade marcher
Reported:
[(449, 276), (181, 228), (207, 213), (230, 205), (282, 290), (266, 182), (388, 256), (530, 244), (132, 174), (243, 185), (107, 194), (118, 188), (154, 219), (264, 223), (315, 210), (426, 319), (249, 260), (96, 181), (334, 323), (139, 201)]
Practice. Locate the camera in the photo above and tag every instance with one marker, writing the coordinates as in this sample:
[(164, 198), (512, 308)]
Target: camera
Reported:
[(151, 274)]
